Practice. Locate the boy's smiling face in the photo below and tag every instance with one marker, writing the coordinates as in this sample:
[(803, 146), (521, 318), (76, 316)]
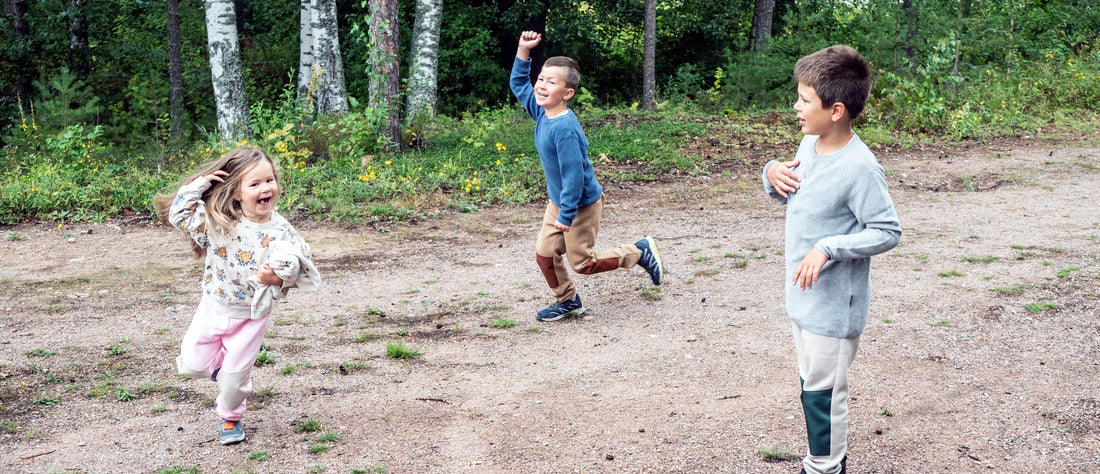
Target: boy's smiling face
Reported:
[(550, 90), (258, 192)]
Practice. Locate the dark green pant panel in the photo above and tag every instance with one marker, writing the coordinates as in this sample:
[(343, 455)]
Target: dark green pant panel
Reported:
[(817, 405)]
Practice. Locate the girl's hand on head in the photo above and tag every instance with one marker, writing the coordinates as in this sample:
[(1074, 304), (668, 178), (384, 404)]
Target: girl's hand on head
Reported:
[(218, 176)]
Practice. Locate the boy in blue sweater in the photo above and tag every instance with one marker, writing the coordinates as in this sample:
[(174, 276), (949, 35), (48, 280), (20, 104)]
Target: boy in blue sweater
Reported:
[(572, 218), (839, 214)]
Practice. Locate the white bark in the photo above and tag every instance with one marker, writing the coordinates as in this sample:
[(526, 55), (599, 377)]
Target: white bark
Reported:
[(225, 69), (305, 56), (332, 95), (424, 71)]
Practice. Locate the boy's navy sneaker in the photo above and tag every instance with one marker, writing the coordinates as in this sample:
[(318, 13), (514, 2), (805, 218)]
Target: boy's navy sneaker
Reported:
[(230, 432), (651, 259), (214, 374), (560, 310)]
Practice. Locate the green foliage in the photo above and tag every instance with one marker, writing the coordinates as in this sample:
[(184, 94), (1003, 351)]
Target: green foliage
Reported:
[(64, 101)]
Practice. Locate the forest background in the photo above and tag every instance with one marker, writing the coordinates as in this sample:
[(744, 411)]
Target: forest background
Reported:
[(89, 132)]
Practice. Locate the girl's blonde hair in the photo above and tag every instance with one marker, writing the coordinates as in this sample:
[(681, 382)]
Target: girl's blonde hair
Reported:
[(222, 211)]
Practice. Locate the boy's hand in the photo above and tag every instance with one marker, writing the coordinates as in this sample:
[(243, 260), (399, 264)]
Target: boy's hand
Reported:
[(267, 276), (805, 276), (783, 179), (527, 41), (561, 227)]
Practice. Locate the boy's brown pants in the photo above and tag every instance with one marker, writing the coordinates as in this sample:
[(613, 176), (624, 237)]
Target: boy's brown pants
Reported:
[(577, 246)]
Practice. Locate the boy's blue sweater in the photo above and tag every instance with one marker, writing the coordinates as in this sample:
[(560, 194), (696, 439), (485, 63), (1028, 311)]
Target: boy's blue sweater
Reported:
[(563, 150)]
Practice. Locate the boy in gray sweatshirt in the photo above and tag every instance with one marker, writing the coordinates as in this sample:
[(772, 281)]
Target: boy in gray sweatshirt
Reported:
[(839, 214)]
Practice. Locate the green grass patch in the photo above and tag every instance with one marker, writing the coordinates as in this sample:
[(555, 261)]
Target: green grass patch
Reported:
[(264, 358), (502, 323), (652, 293), (985, 259), (367, 336), (310, 425), (777, 455), (398, 350), (319, 448), (1040, 306), (46, 401), (1065, 272), (1013, 290), (291, 368)]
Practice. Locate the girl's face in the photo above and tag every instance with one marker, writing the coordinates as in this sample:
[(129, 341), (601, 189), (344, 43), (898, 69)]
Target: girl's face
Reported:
[(258, 192)]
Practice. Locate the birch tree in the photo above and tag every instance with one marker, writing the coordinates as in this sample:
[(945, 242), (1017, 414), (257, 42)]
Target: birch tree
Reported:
[(225, 69), (424, 70), (305, 56), (385, 71), (332, 95)]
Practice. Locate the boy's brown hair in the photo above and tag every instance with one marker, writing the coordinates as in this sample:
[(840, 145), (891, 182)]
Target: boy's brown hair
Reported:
[(838, 74), (572, 71)]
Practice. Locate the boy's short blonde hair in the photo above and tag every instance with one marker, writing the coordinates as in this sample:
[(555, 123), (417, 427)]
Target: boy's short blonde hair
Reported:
[(838, 74), (572, 71)]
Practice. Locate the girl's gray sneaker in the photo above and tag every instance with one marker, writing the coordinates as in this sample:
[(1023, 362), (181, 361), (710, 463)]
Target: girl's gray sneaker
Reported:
[(230, 432)]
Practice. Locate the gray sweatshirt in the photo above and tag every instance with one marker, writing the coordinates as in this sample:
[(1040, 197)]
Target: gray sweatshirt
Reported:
[(843, 209)]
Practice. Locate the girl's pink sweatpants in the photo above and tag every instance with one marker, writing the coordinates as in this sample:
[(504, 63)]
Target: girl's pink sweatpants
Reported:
[(222, 336)]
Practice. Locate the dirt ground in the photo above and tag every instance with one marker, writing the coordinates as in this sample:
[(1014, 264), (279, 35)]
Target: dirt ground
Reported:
[(980, 355)]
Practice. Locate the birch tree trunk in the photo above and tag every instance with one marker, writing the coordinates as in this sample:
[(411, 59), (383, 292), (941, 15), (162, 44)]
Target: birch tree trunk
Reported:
[(175, 73), (332, 95), (761, 25), (385, 83), (306, 97), (649, 57), (424, 71), (225, 69)]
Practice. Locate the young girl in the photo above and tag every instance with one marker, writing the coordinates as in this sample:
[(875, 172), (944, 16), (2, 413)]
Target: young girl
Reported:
[(228, 210)]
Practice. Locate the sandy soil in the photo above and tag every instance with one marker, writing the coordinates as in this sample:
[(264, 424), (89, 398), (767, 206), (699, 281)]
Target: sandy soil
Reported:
[(980, 355)]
